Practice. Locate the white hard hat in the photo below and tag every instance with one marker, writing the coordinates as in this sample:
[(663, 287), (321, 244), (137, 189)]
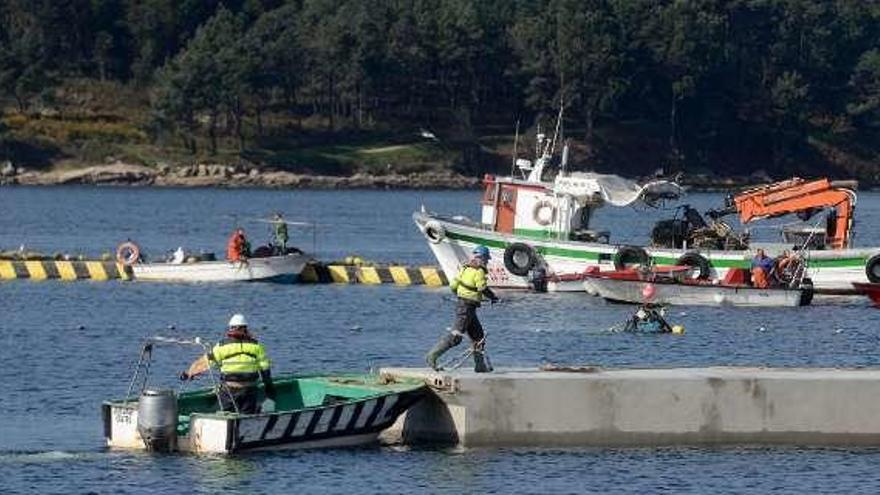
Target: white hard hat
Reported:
[(238, 320)]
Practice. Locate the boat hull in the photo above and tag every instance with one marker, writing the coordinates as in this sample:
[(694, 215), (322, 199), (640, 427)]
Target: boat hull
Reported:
[(353, 422), (832, 271), (631, 291), (285, 268), (870, 290)]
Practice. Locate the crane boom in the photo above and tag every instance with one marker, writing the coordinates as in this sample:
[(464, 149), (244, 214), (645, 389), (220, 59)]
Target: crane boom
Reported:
[(797, 196)]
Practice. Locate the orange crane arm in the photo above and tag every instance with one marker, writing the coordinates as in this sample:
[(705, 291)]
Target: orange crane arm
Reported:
[(796, 195)]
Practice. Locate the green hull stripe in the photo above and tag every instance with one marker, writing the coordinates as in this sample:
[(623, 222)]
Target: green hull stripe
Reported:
[(858, 262), (536, 234), (553, 251)]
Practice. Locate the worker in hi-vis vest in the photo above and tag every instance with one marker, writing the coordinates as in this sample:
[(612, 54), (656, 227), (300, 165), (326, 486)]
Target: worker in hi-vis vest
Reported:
[(243, 363), (470, 286)]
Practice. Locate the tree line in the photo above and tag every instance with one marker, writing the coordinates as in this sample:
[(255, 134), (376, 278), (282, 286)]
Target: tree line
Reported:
[(713, 77)]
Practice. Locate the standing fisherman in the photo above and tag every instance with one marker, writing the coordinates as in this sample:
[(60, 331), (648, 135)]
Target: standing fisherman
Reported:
[(471, 288), (281, 236), (237, 247), (242, 362)]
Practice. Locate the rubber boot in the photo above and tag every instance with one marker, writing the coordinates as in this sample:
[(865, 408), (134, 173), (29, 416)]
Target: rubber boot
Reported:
[(480, 365), (445, 343)]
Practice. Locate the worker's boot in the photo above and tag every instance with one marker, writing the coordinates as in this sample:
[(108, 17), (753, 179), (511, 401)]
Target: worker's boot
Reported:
[(481, 364), (445, 343)]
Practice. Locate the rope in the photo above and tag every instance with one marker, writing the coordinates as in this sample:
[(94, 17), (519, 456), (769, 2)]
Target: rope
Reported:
[(457, 361)]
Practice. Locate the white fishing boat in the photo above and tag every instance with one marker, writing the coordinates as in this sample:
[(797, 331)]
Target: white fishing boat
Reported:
[(673, 287), (538, 228), (284, 268), (266, 263)]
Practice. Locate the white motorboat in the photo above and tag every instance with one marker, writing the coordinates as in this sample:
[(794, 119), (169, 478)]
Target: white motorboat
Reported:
[(284, 268), (637, 287)]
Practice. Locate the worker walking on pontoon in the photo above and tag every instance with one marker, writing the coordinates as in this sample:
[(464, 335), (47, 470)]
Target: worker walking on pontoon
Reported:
[(243, 363), (470, 286), (281, 237)]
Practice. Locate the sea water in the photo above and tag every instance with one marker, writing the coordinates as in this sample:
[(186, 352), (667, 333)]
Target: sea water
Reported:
[(67, 346)]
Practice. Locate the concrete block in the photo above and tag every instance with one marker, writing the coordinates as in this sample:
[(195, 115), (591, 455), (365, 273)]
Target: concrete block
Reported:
[(645, 407)]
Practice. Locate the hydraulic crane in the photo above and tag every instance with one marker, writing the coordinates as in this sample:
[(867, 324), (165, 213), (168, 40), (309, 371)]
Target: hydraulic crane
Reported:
[(801, 197)]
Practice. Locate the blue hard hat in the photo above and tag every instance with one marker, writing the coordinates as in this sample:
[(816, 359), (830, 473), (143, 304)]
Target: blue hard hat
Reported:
[(482, 252)]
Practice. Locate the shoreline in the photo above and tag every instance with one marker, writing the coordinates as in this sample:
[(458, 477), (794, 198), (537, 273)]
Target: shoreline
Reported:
[(232, 177), (223, 176)]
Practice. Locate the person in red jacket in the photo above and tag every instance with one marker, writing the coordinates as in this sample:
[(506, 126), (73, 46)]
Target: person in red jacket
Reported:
[(237, 248)]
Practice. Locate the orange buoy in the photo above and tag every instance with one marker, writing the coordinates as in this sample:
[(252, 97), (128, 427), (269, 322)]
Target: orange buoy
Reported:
[(648, 292)]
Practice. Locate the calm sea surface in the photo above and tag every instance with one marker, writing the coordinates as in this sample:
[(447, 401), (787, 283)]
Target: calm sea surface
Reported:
[(68, 346)]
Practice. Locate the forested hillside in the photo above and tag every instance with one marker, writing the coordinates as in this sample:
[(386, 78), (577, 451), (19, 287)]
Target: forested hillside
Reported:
[(339, 86)]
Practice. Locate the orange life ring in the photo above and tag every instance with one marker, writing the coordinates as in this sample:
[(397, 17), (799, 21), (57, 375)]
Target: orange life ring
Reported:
[(128, 253)]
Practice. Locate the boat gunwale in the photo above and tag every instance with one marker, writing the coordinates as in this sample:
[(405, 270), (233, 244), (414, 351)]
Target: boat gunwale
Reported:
[(416, 385), (262, 260)]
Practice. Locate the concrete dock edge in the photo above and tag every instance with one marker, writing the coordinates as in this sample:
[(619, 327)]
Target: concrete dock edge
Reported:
[(645, 407)]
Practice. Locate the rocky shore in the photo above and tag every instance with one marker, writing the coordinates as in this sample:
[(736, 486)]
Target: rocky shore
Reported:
[(211, 175), (207, 175)]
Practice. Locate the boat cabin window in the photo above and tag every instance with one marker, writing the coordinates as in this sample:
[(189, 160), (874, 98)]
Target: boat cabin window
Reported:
[(507, 196)]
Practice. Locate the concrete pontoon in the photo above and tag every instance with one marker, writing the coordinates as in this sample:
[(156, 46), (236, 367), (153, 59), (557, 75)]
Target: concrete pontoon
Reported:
[(591, 406)]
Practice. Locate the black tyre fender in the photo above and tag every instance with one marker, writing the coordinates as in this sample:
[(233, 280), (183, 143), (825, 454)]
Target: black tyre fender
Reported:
[(872, 269), (434, 232), (696, 260), (807, 291), (630, 254), (519, 258)]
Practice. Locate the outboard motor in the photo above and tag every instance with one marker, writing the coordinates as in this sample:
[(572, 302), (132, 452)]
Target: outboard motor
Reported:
[(157, 419)]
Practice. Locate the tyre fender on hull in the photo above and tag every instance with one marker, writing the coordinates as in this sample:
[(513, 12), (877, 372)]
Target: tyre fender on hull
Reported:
[(872, 269), (630, 255), (519, 258), (806, 291), (696, 260), (434, 231)]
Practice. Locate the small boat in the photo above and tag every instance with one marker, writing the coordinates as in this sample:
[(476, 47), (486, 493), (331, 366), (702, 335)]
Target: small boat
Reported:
[(673, 286), (284, 268), (312, 411), (870, 290), (264, 266)]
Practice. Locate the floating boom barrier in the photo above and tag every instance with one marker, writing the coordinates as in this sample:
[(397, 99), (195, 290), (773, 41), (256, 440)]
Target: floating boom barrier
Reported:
[(63, 270), (320, 273), (314, 273)]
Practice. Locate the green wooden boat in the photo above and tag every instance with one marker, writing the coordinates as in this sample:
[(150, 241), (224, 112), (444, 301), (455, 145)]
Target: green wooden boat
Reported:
[(311, 411)]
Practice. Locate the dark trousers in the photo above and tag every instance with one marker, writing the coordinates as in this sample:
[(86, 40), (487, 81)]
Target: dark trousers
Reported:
[(243, 397), (466, 321)]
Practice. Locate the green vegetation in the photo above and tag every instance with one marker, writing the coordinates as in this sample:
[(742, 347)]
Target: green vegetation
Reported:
[(344, 86)]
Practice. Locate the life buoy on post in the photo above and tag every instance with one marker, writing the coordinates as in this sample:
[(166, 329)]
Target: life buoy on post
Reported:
[(128, 253), (627, 255), (872, 269), (519, 258), (696, 260), (544, 219), (434, 231)]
